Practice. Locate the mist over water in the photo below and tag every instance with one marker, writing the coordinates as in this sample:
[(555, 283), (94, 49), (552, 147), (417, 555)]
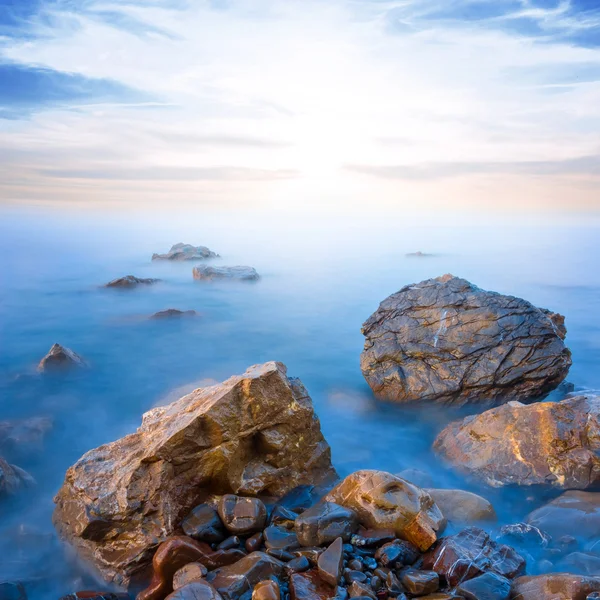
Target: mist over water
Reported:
[(321, 277)]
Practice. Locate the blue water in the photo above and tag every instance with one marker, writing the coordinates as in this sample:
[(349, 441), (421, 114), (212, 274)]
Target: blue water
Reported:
[(321, 277)]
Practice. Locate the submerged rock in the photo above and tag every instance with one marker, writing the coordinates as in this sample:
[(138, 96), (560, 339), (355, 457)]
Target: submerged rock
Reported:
[(447, 340), (13, 479), (253, 434), (173, 313), (60, 358), (130, 282), (554, 443), (382, 501), (186, 252), (207, 273), (554, 586), (488, 586), (459, 506), (24, 437)]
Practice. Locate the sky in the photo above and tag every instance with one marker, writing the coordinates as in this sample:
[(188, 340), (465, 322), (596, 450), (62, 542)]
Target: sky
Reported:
[(376, 105)]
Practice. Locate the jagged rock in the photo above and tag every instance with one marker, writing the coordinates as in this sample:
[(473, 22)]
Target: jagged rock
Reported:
[(459, 506), (330, 563), (173, 313), (280, 538), (186, 252), (24, 438), (242, 516), (324, 522), (421, 583), (13, 479), (254, 433), (266, 590), (204, 524), (446, 340), (196, 590), (488, 586), (283, 516), (554, 586), (60, 358), (191, 572), (383, 501), (555, 443), (206, 273), (309, 586), (130, 282)]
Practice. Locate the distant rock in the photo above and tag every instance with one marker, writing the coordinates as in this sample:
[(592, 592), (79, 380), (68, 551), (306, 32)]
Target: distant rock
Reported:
[(449, 341), (173, 313), (130, 282), (205, 272), (554, 586), (186, 252), (24, 437), (253, 434), (60, 358), (13, 479), (552, 443), (419, 254)]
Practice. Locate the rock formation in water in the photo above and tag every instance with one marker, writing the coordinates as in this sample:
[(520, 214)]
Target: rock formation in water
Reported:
[(186, 252), (173, 313), (555, 586), (447, 340), (130, 282), (60, 358), (207, 273), (253, 434), (24, 438), (552, 443), (13, 479)]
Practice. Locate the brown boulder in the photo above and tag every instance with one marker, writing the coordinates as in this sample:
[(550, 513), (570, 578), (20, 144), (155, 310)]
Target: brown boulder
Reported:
[(383, 501), (242, 515), (554, 586), (129, 282), (553, 443), (266, 590), (60, 358), (253, 434), (193, 571), (459, 506)]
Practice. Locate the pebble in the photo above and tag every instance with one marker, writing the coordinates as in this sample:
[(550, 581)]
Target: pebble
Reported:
[(299, 564), (242, 515), (188, 573), (266, 590), (231, 542), (254, 542)]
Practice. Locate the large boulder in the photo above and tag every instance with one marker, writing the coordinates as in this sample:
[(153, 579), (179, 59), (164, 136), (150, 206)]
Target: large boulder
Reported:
[(446, 340), (253, 434), (186, 252), (554, 443), (554, 586)]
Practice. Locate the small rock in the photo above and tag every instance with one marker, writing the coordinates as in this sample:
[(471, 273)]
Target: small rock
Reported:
[(207, 273), (325, 522), (459, 506), (392, 583), (525, 534), (283, 517), (280, 538), (13, 479), (357, 590), (171, 313), (231, 542), (367, 538), (254, 542), (555, 586), (351, 576), (196, 590), (311, 553), (421, 583), (308, 586), (330, 563), (186, 252), (397, 552), (130, 282), (279, 554), (266, 590), (488, 586), (204, 524), (60, 358), (355, 565), (299, 499), (242, 515), (299, 564), (222, 558), (188, 573)]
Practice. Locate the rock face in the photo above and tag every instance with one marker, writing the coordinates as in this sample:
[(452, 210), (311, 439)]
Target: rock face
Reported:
[(60, 358), (555, 586), (206, 273), (253, 434), (130, 282), (554, 443), (382, 501), (186, 252), (446, 340)]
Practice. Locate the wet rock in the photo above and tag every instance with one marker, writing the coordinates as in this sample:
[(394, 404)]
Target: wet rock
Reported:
[(129, 282), (235, 580), (446, 340), (283, 517), (222, 558), (299, 564), (420, 583), (398, 552), (367, 538), (330, 563), (300, 498), (254, 542), (24, 438), (94, 595), (580, 563), (188, 573), (525, 535), (12, 591), (206, 273), (13, 479), (280, 554), (351, 576), (173, 313), (119, 500), (266, 590), (464, 507), (488, 586), (551, 443), (383, 501), (470, 553), (204, 524), (280, 538), (196, 590), (325, 522), (554, 586), (231, 542), (308, 586), (359, 590), (186, 252), (60, 358), (312, 554), (242, 516), (418, 254)]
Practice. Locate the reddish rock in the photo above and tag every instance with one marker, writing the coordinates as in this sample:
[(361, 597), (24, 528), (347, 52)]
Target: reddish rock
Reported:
[(242, 516), (554, 586), (324, 522), (358, 590), (188, 573), (330, 563), (459, 506), (196, 590), (309, 586), (179, 252), (488, 586), (421, 583), (130, 282), (266, 590), (254, 542)]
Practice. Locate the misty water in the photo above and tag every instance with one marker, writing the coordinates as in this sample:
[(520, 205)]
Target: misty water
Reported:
[(321, 277)]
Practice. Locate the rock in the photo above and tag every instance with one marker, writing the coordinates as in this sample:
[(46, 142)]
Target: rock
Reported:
[(360, 590), (204, 524), (418, 254), (383, 501), (420, 583), (13, 479), (10, 590), (308, 586), (207, 273), (470, 553), (299, 564), (299, 499), (130, 282), (186, 252), (580, 563), (59, 359), (397, 552), (235, 580), (191, 572), (24, 438), (367, 538), (283, 516), (330, 563), (171, 313), (312, 554), (231, 542), (325, 522), (574, 513), (242, 516), (525, 535), (254, 542), (459, 506), (95, 595), (554, 586), (266, 590), (279, 554), (255, 433), (552, 443), (447, 340), (196, 590), (488, 586), (280, 538)]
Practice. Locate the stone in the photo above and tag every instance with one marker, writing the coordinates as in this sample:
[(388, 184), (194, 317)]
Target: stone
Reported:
[(525, 535), (231, 542), (266, 590), (299, 564), (367, 538), (325, 522), (254, 542), (358, 590), (351, 576), (195, 590), (280, 554), (308, 586), (330, 563), (312, 554), (280, 538), (242, 516), (191, 572), (383, 501), (204, 524), (580, 563), (24, 438), (470, 553), (186, 252), (283, 516), (447, 340), (207, 273), (93, 595), (129, 282), (398, 552), (421, 583), (255, 433), (554, 586), (13, 479), (461, 507), (235, 580), (488, 586), (222, 558), (549, 443), (60, 358), (299, 499), (173, 313), (417, 477), (10, 590)]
